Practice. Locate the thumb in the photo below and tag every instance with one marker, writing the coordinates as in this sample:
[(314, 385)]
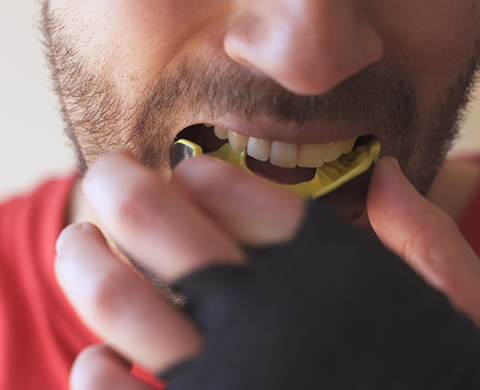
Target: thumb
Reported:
[(424, 236)]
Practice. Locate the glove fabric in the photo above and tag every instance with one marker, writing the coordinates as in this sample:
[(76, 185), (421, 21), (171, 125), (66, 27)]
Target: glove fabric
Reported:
[(332, 309)]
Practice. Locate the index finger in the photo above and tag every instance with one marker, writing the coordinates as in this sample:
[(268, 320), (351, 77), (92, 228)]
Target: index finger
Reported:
[(255, 211), (154, 222)]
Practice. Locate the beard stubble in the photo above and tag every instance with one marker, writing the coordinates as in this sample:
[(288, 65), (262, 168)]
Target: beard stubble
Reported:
[(381, 96)]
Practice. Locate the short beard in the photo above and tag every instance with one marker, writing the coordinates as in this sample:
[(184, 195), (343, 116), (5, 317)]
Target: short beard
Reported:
[(381, 96)]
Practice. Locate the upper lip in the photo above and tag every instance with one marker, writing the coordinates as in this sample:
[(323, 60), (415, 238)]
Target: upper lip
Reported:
[(265, 128)]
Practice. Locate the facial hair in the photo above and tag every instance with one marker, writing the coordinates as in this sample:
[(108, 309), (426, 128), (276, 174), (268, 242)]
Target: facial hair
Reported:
[(382, 96)]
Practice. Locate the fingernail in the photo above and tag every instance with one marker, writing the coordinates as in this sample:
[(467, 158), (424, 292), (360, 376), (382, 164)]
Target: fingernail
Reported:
[(68, 232), (396, 164)]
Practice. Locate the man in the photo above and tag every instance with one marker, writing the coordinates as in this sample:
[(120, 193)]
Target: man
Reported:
[(280, 77)]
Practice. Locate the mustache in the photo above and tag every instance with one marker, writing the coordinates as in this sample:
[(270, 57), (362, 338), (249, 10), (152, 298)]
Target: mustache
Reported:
[(98, 120), (380, 95)]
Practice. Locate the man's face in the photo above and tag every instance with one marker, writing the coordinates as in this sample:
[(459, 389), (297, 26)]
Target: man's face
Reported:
[(290, 72)]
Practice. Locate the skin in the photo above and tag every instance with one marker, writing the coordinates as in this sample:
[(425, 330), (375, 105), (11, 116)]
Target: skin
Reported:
[(307, 71), (141, 325), (308, 48)]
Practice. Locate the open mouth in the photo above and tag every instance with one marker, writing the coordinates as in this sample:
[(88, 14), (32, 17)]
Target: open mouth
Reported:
[(311, 170)]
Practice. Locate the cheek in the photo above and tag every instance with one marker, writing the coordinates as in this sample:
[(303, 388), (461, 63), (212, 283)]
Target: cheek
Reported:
[(130, 42), (435, 40)]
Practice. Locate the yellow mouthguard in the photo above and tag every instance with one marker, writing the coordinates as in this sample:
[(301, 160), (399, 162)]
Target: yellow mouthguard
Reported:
[(328, 177)]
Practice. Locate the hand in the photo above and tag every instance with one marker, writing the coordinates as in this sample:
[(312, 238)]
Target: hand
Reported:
[(149, 218), (209, 205), (424, 236)]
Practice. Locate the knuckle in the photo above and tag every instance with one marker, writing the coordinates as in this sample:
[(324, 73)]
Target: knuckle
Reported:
[(411, 244), (425, 249), (133, 207), (109, 294)]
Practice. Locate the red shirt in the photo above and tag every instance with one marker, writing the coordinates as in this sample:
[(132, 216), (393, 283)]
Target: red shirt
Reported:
[(469, 222), (40, 334)]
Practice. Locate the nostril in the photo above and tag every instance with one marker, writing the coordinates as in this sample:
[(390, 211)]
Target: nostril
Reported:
[(240, 59)]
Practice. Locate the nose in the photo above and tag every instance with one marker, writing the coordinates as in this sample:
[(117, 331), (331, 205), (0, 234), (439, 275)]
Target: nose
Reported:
[(307, 46)]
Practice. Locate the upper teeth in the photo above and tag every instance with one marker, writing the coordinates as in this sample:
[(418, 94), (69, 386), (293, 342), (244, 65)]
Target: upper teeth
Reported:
[(283, 154)]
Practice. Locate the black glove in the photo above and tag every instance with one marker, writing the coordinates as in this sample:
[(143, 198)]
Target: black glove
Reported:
[(333, 309)]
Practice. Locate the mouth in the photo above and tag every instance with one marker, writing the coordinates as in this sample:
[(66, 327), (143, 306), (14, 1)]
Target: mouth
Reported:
[(337, 172)]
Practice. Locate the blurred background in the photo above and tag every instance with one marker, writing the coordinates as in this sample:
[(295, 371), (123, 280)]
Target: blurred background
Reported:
[(32, 144)]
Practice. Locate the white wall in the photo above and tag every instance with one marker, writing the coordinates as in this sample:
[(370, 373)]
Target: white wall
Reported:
[(32, 145), (470, 134)]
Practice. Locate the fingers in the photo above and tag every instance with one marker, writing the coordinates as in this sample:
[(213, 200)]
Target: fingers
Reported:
[(254, 211), (99, 368), (153, 221), (119, 306), (425, 236)]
